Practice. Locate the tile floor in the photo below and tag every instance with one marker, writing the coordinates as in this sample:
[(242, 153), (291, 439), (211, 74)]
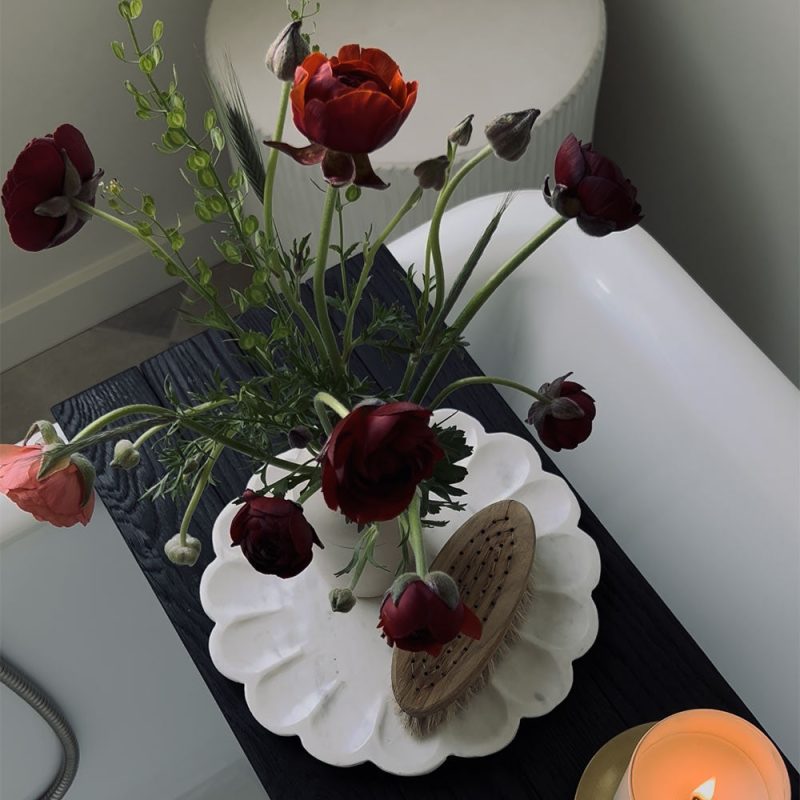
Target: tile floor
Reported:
[(28, 390)]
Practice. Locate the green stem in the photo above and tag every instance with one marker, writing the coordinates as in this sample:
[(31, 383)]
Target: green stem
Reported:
[(197, 493), (415, 535), (369, 258), (272, 165), (480, 297), (322, 402), (311, 489), (320, 297), (298, 308), (434, 250), (367, 540), (479, 379), (150, 432)]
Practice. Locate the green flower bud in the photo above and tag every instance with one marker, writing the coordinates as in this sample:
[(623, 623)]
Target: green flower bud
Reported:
[(342, 600), (287, 52), (510, 134), (126, 456), (183, 553)]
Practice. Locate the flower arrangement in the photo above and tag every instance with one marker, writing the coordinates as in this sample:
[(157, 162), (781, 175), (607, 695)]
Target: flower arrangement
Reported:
[(374, 456)]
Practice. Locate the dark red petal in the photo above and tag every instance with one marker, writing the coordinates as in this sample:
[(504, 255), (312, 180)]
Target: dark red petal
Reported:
[(570, 166), (602, 167), (383, 65), (338, 168), (365, 175), (605, 200), (472, 625), (307, 156), (41, 161), (358, 122), (28, 230), (68, 137)]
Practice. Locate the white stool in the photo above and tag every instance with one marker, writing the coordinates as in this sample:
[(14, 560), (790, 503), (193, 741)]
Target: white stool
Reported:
[(468, 57)]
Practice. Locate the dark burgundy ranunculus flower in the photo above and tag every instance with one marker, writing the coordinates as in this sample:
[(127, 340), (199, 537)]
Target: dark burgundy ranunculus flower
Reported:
[(375, 458), (566, 419), (274, 535), (47, 174), (415, 617), (593, 189), (347, 106)]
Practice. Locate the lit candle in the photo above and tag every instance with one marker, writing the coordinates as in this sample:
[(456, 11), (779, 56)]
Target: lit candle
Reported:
[(704, 755)]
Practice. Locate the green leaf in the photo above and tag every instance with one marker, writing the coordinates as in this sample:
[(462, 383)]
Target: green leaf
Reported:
[(176, 240), (124, 9), (158, 30), (142, 102), (147, 63), (209, 120), (144, 228), (172, 269), (218, 138), (136, 8), (158, 54), (202, 212), (119, 50), (178, 102), (256, 295), (143, 114), (129, 87), (207, 178), (236, 180), (250, 225), (167, 146), (176, 119), (148, 205)]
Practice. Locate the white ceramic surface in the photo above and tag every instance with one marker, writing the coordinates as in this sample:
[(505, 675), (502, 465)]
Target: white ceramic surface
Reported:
[(326, 677), (694, 461), (467, 57)]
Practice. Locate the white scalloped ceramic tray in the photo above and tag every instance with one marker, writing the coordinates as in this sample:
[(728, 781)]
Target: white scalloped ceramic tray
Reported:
[(327, 677)]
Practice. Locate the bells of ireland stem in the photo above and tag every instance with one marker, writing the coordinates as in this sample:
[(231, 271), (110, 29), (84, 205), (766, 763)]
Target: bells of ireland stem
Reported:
[(287, 52), (510, 134), (184, 552)]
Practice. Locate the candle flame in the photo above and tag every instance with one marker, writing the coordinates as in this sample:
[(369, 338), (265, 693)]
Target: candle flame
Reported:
[(706, 791)]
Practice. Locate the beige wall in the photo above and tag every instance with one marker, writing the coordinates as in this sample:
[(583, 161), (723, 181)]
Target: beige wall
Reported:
[(699, 103), (56, 66)]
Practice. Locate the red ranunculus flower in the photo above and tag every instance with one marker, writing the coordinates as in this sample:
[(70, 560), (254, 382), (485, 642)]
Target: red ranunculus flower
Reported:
[(565, 420), (374, 459), (592, 188), (348, 105), (47, 174), (63, 498), (274, 535), (417, 618)]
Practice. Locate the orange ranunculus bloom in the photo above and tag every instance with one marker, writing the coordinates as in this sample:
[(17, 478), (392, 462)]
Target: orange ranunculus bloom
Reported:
[(348, 106), (57, 499)]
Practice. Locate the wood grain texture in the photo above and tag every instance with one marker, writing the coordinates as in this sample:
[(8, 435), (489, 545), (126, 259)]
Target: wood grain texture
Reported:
[(643, 666), (490, 558)]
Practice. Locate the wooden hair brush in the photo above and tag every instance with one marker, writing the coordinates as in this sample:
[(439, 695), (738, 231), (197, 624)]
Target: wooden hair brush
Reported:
[(490, 558)]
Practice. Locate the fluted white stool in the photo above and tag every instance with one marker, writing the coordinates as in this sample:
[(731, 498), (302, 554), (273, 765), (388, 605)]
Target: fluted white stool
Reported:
[(468, 57)]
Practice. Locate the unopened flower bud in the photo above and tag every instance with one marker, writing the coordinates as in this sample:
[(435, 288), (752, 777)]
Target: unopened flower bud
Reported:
[(352, 193), (287, 52), (445, 587), (510, 134), (183, 553), (342, 600), (433, 172), (462, 133), (299, 437), (126, 456)]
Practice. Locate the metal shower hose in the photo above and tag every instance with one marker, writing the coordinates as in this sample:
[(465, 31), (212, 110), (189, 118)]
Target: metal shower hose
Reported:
[(46, 708)]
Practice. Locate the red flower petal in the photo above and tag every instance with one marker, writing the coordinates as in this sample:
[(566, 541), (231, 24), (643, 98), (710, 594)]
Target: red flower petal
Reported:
[(28, 230), (570, 166), (68, 137), (605, 200), (41, 161)]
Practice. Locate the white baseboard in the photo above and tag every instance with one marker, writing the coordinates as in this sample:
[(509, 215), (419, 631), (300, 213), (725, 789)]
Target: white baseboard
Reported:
[(88, 296)]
